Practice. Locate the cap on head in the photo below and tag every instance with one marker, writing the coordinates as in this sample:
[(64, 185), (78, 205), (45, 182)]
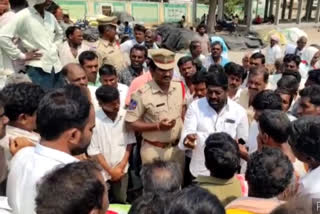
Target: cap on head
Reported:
[(107, 20), (163, 58)]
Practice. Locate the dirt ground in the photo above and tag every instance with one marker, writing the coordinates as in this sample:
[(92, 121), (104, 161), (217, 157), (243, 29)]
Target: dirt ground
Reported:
[(313, 38)]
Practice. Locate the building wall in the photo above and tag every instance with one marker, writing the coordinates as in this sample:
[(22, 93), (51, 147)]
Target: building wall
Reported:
[(147, 12)]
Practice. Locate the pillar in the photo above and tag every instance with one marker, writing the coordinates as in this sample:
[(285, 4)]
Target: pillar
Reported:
[(290, 10), (277, 15), (266, 7), (220, 9), (194, 12), (249, 15), (284, 8), (318, 12), (298, 21)]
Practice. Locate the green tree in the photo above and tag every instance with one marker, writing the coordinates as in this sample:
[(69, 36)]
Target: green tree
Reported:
[(231, 6)]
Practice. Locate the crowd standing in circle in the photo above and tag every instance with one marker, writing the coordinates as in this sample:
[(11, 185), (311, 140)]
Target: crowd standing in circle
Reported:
[(132, 127)]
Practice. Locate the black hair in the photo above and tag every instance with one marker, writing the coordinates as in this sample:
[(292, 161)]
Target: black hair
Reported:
[(87, 56), (222, 155), (276, 124), (269, 172), (198, 77), (289, 82), (140, 48), (267, 99), (150, 203), (141, 28), (107, 94), (292, 57), (216, 43), (234, 69), (22, 98), (259, 55), (184, 60), (260, 71), (53, 8), (295, 74), (161, 177), (192, 45), (195, 200), (202, 25), (3, 100), (314, 76), (107, 69), (304, 136), (287, 92), (215, 68), (313, 93), (217, 79), (70, 30), (103, 28), (71, 188), (60, 110)]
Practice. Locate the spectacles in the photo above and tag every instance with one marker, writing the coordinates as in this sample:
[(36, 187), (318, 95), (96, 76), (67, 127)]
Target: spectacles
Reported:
[(3, 114)]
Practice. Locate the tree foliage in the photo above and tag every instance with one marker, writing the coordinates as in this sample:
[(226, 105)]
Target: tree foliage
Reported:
[(231, 6)]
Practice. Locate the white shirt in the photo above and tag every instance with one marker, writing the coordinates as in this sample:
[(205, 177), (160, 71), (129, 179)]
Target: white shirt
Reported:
[(13, 132), (4, 206), (254, 132), (123, 91), (28, 166), (292, 49), (272, 54), (309, 185), (203, 120), (66, 55), (236, 97), (35, 32), (110, 139), (126, 46)]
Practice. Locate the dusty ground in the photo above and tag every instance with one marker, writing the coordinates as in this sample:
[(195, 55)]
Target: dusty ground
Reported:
[(313, 38)]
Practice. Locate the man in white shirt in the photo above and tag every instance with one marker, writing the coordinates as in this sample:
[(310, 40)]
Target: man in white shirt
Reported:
[(108, 76), (196, 51), (297, 49), (89, 62), (304, 140), (236, 76), (75, 75), (264, 100), (211, 114), (151, 39), (65, 121), (111, 143), (40, 34), (21, 106), (139, 33), (273, 52), (74, 188), (73, 47), (3, 163)]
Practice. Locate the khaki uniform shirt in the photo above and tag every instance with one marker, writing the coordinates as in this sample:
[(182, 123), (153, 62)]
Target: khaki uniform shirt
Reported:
[(152, 105), (226, 190), (109, 53)]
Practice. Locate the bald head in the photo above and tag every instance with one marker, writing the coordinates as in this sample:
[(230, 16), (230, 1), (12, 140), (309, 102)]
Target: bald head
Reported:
[(161, 177), (75, 75), (302, 42)]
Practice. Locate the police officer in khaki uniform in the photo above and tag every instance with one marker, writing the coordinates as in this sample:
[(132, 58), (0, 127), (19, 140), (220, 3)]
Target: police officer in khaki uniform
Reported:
[(156, 110), (108, 50)]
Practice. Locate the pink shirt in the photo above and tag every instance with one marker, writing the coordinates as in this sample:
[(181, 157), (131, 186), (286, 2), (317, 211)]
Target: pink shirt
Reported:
[(138, 83)]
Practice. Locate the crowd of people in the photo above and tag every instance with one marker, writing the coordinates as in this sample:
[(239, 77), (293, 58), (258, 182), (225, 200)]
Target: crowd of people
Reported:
[(85, 127)]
